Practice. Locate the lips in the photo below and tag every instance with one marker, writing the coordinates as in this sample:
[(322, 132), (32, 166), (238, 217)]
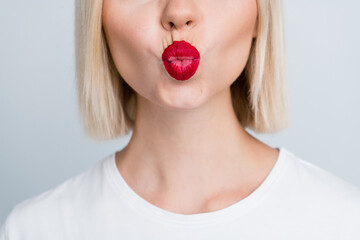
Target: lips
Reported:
[(181, 60)]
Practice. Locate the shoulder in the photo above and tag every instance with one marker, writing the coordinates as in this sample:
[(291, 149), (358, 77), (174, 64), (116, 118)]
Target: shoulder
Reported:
[(324, 190), (317, 178), (56, 205)]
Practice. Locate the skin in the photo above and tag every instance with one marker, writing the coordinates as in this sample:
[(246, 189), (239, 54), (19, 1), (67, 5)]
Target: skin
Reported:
[(188, 153)]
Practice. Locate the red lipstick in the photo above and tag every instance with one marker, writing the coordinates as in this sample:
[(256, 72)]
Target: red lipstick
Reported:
[(181, 60)]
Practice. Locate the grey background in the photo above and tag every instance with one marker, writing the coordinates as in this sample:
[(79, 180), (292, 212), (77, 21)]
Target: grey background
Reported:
[(42, 142)]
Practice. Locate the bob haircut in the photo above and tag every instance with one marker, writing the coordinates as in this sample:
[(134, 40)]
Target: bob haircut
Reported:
[(108, 104)]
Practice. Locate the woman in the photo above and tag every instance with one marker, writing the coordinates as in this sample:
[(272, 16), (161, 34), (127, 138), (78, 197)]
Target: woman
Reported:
[(187, 77)]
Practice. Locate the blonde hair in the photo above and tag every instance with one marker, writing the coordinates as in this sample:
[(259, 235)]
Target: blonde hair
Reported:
[(108, 104)]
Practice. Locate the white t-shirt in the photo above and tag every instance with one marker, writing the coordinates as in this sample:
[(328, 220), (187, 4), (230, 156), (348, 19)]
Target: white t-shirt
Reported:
[(297, 200)]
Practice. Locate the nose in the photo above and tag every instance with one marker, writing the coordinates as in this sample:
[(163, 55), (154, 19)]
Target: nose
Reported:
[(179, 14)]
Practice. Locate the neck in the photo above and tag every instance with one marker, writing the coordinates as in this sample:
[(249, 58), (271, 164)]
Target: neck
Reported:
[(204, 147)]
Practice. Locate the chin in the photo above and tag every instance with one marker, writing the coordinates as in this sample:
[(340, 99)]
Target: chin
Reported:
[(182, 100)]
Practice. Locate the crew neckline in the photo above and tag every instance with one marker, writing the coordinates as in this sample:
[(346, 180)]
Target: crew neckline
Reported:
[(236, 209)]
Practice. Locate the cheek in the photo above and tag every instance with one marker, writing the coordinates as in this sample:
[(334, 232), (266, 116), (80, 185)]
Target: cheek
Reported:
[(236, 31), (125, 35)]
